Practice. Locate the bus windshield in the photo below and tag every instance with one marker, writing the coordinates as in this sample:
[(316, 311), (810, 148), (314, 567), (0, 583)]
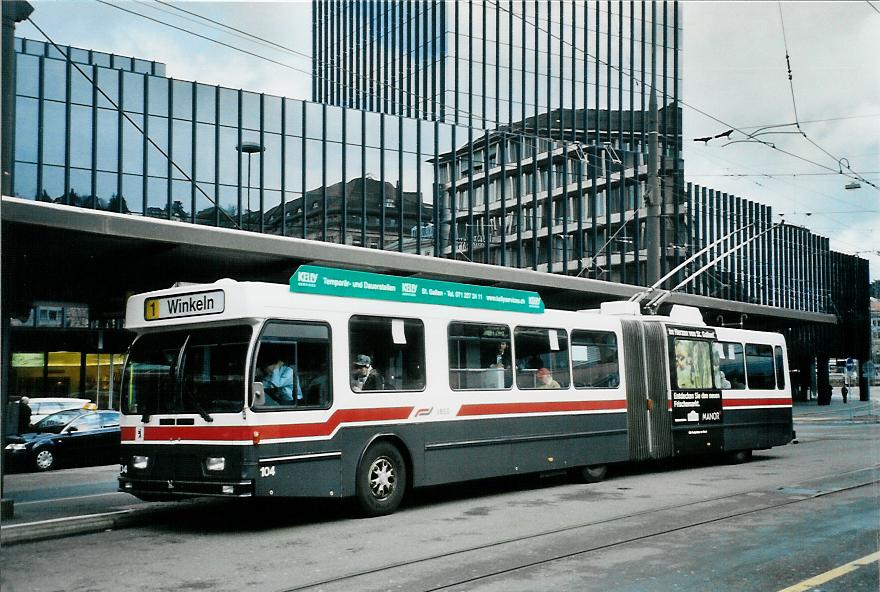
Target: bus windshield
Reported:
[(190, 371)]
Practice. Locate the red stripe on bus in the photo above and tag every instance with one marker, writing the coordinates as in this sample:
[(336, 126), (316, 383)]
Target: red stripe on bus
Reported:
[(757, 402), (505, 408), (267, 432)]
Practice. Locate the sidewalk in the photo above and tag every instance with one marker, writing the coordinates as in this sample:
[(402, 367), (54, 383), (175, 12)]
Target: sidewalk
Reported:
[(851, 411)]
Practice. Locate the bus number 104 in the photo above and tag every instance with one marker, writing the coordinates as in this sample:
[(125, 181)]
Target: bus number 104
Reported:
[(267, 471)]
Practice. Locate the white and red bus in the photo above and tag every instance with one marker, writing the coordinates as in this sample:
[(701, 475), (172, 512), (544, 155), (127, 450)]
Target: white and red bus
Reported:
[(354, 384)]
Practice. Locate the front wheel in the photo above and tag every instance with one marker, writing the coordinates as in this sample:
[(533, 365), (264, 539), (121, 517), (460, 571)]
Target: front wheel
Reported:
[(381, 480), (590, 474), (44, 460)]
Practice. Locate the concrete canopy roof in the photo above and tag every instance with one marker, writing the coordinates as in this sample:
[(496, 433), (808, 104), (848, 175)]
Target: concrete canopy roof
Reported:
[(42, 243)]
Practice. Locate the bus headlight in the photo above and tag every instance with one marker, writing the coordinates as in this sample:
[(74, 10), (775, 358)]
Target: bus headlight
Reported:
[(140, 462), (215, 463)]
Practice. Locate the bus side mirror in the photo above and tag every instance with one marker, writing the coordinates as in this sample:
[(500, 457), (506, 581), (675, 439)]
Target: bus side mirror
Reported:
[(259, 394)]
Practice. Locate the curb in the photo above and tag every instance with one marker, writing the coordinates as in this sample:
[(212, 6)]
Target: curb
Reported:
[(59, 527)]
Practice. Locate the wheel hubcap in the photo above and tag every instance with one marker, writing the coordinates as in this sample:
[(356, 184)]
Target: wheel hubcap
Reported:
[(44, 459), (382, 478)]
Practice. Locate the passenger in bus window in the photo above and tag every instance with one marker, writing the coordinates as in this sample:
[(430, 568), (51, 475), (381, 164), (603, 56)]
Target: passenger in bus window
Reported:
[(546, 380), (502, 356), (364, 377), (280, 381)]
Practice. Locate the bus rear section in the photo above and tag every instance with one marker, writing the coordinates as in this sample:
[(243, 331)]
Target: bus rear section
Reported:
[(695, 389)]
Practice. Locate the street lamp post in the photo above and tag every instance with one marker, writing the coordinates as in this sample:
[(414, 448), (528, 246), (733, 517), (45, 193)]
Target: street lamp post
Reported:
[(249, 148)]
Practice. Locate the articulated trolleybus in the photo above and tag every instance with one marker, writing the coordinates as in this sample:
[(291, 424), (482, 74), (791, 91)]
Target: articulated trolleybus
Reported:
[(354, 384)]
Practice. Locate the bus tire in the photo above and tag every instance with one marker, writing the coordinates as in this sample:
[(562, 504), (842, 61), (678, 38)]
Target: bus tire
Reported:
[(380, 480), (590, 474), (739, 456)]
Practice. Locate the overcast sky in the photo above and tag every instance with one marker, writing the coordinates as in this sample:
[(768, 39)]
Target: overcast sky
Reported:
[(734, 70)]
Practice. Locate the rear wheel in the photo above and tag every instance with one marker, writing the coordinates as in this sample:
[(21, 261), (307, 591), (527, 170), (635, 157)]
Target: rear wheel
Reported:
[(44, 460), (381, 480), (590, 474)]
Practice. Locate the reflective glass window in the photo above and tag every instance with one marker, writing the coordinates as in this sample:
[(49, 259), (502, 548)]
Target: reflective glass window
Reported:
[(143, 66), (334, 124), (122, 62), (181, 200), (101, 59), (157, 161), (54, 127), (205, 212), (133, 92), (205, 152), (293, 117), (54, 80), (373, 129), (228, 156), (206, 99), (81, 87), (158, 88), (53, 183), (353, 126), (80, 189), (229, 107), (228, 205), (26, 126), (27, 74), (108, 82), (25, 180), (392, 132), (272, 114), (132, 194), (106, 190), (182, 150), (182, 99), (157, 197), (293, 178), (80, 136), (272, 220), (314, 169), (314, 121), (133, 144), (272, 161), (250, 110)]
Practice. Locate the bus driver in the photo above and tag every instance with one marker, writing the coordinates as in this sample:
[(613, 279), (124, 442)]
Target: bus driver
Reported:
[(279, 382)]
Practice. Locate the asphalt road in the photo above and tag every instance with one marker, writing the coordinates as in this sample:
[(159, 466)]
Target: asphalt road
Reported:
[(791, 514)]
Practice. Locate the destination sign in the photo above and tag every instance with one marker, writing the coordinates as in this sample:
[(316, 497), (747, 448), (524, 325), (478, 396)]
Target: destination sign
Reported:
[(311, 279), (184, 305)]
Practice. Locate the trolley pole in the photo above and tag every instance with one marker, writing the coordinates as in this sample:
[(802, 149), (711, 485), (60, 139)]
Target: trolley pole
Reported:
[(13, 12), (653, 198)]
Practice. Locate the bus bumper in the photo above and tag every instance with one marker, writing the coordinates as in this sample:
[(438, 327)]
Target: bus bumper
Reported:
[(172, 488)]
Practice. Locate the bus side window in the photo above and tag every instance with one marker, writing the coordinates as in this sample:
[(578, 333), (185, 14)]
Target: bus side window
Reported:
[(729, 366), (759, 366), (541, 358), (292, 366), (479, 357), (780, 367), (594, 359), (386, 354)]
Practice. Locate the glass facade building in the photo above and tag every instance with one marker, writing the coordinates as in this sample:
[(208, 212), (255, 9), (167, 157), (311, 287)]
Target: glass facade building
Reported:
[(141, 143)]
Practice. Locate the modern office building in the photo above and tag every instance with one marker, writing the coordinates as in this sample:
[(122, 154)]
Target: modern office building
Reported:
[(488, 156)]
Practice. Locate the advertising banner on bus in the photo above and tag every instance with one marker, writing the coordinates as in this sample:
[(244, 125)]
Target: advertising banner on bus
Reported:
[(328, 281)]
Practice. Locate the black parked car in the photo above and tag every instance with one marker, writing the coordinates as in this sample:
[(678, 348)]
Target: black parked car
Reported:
[(74, 436)]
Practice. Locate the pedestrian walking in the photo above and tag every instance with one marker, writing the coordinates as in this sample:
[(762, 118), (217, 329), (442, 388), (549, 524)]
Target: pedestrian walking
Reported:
[(844, 392)]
